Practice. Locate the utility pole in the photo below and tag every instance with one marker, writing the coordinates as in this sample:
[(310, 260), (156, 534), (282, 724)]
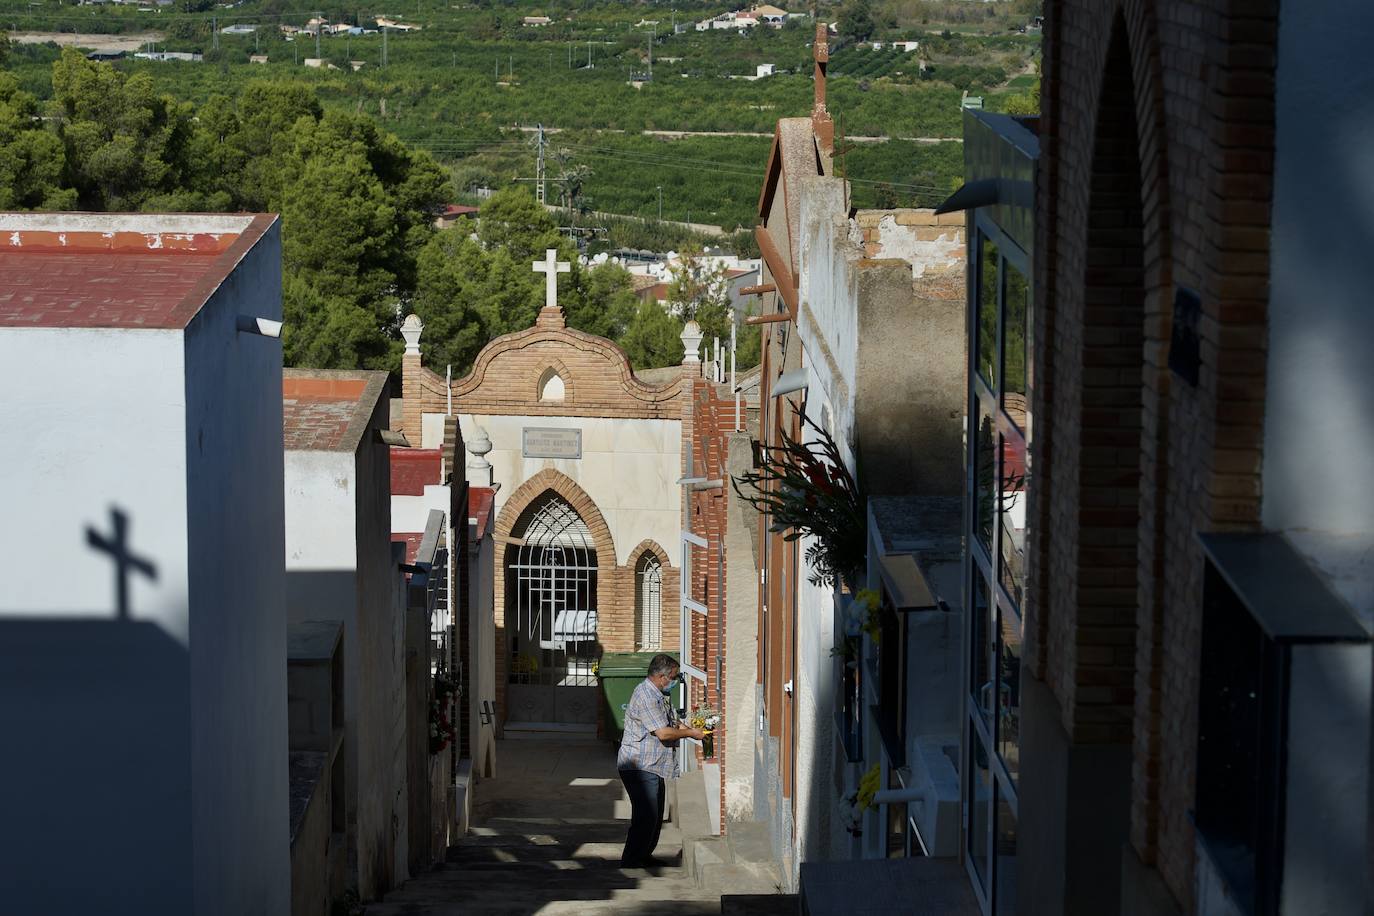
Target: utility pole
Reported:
[(660, 203), (214, 32), (384, 30), (570, 55), (319, 27), (653, 33), (539, 165), (510, 68), (589, 53)]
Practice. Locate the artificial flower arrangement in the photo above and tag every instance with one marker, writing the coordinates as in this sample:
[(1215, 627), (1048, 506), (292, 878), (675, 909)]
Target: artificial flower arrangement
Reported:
[(862, 614), (805, 488), (441, 730), (708, 720), (861, 800)]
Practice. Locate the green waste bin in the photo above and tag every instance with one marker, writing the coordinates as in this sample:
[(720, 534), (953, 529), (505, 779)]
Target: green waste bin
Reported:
[(620, 674)]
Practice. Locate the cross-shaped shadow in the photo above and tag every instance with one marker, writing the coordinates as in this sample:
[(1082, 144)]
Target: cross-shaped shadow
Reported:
[(116, 545)]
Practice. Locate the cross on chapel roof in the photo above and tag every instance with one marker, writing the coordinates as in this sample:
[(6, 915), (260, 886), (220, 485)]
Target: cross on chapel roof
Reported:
[(551, 267)]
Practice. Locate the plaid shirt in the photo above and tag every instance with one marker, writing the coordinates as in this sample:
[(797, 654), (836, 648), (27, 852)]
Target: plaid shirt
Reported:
[(640, 749)]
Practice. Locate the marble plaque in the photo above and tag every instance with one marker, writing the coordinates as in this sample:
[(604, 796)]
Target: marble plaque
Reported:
[(551, 443)]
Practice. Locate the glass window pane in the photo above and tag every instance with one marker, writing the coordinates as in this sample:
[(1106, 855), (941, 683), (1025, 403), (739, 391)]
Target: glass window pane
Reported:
[(1015, 331), (979, 808), (1006, 858), (983, 649), (985, 475), (987, 312), (1012, 519), (1009, 693)]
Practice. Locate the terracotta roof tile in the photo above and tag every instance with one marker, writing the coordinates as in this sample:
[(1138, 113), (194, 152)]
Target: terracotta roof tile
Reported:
[(414, 468), (83, 270)]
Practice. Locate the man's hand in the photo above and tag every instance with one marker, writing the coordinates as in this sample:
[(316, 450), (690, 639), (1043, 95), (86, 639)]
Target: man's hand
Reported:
[(671, 733)]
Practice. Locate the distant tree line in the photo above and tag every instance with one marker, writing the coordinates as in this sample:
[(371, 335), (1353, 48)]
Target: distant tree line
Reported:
[(359, 245)]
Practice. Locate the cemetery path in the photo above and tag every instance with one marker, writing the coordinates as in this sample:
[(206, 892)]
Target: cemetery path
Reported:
[(546, 839)]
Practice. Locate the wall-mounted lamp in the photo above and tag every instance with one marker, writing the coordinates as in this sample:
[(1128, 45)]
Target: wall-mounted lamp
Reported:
[(264, 327)]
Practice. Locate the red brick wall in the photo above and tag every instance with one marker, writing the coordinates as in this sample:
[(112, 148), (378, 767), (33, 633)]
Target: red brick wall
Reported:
[(713, 420), (1125, 478)]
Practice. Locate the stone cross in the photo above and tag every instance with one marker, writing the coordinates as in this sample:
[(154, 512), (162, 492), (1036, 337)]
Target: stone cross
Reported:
[(125, 561), (551, 267)]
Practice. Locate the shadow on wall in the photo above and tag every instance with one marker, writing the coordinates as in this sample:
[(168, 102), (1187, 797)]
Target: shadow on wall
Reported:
[(96, 769)]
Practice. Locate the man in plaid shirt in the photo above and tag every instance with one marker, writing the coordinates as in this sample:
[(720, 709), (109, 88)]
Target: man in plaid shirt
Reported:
[(646, 758)]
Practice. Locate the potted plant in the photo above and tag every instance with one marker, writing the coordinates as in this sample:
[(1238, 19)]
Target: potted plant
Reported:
[(805, 488)]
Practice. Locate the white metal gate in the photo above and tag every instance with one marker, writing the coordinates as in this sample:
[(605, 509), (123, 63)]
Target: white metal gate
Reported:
[(551, 617)]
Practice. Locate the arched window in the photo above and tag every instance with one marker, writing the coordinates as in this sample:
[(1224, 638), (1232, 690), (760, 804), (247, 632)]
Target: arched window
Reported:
[(551, 617), (648, 604), (551, 386)]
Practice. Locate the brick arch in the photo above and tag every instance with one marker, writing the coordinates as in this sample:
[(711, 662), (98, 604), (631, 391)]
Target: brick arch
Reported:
[(607, 580), (559, 368), (668, 600), (1093, 429), (549, 480), (649, 545)]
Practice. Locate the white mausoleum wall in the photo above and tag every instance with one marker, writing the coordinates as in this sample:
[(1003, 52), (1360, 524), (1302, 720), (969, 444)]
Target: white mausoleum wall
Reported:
[(180, 432), (237, 587), (628, 467), (338, 561), (72, 674)]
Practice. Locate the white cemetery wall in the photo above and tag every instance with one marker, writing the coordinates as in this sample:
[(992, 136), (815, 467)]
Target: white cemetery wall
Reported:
[(1317, 397), (104, 433), (321, 575), (628, 467), (382, 803), (234, 523), (411, 513)]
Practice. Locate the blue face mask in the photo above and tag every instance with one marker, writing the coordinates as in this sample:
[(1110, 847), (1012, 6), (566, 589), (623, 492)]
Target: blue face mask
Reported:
[(667, 691)]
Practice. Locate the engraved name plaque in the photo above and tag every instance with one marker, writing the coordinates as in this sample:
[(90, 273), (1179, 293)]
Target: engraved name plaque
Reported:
[(551, 443)]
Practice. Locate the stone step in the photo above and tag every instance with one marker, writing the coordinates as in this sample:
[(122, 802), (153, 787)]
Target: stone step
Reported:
[(738, 878), (759, 905)]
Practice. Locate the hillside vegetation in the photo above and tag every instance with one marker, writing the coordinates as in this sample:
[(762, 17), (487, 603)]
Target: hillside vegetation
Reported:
[(460, 86)]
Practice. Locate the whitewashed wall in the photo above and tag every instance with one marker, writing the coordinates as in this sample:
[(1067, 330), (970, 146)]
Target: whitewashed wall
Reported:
[(186, 698), (237, 587), (629, 468)]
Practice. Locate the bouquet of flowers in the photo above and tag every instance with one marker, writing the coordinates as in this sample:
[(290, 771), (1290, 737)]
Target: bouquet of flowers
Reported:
[(861, 800), (441, 729), (708, 720), (805, 489)]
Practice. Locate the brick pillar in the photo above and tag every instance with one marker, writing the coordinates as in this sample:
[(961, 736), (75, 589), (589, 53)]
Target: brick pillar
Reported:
[(412, 396)]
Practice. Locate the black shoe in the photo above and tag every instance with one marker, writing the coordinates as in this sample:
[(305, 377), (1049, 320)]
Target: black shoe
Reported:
[(655, 862)]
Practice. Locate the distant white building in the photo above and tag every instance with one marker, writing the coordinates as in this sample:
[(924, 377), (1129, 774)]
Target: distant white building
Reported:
[(238, 28), (165, 56), (535, 20), (143, 605)]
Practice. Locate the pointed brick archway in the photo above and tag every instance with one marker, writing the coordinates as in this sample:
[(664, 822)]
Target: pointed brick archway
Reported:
[(547, 482), (615, 586)]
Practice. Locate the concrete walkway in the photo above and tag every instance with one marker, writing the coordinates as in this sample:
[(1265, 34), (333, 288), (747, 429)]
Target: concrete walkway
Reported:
[(546, 840)]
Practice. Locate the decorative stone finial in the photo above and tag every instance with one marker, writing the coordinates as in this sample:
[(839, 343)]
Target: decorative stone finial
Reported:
[(410, 331), (691, 343), (479, 468)]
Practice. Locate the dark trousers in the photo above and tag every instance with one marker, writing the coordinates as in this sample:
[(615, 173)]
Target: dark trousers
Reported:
[(648, 793)]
